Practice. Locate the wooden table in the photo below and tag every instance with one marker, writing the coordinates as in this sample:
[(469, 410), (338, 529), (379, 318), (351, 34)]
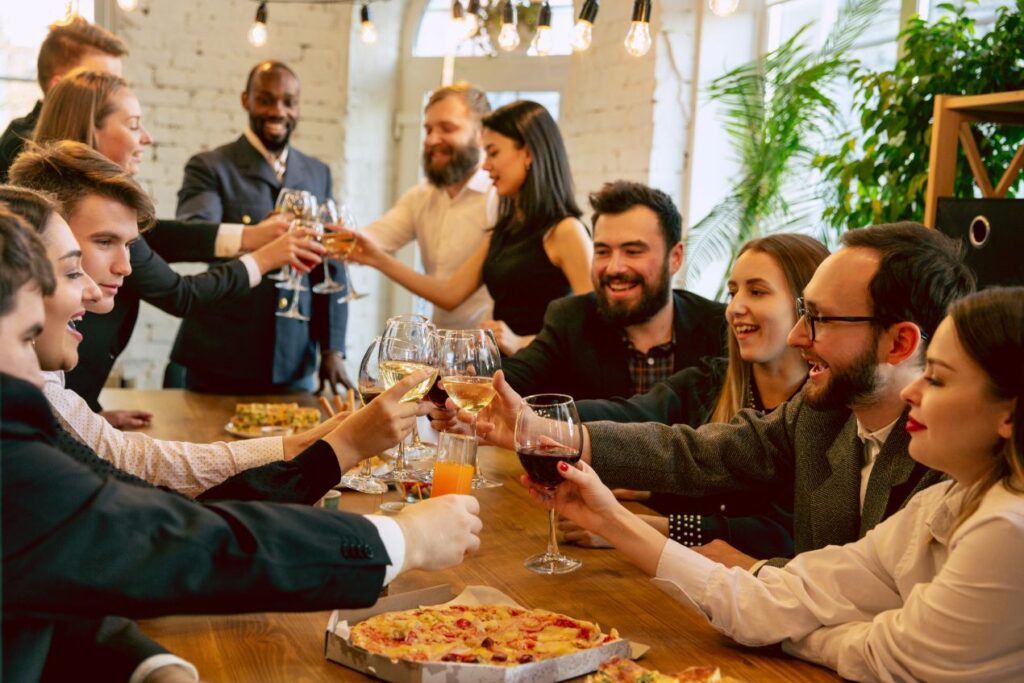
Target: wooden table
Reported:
[(608, 590)]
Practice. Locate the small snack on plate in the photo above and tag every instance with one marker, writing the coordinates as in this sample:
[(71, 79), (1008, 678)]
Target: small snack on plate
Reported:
[(252, 417), (495, 635), (619, 670)]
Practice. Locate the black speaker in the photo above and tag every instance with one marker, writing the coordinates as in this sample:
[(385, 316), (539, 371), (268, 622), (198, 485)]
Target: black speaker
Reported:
[(992, 232)]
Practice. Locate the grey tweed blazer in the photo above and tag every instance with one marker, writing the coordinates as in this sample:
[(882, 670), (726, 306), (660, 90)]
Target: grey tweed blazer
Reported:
[(815, 451)]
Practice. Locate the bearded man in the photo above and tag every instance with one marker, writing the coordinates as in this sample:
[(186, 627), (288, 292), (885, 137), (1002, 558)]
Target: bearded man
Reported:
[(451, 210), (243, 346), (633, 330)]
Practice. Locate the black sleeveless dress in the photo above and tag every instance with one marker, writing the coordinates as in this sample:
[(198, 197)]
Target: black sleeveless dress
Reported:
[(521, 279)]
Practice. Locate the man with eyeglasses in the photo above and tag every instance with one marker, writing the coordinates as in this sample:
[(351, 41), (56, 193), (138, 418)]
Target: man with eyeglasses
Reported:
[(865, 316)]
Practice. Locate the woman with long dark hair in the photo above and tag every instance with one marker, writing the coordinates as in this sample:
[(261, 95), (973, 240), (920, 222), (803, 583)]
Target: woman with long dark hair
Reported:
[(538, 250)]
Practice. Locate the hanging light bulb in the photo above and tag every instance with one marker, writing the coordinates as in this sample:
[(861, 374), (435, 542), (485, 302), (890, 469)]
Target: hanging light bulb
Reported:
[(367, 31), (258, 31), (723, 8), (458, 26), (541, 43), (472, 18), (638, 40), (582, 32), (128, 5), (508, 37)]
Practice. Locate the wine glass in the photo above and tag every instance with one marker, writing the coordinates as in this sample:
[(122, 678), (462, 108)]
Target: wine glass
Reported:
[(467, 361), (370, 387), (298, 203), (348, 219), (338, 244), (407, 346), (418, 449), (306, 219), (548, 431)]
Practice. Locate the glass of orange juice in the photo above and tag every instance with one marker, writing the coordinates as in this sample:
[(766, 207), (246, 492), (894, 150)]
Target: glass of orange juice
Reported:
[(455, 464)]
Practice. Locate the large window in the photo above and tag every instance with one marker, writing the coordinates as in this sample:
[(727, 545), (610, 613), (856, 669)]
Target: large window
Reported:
[(434, 37), (23, 26)]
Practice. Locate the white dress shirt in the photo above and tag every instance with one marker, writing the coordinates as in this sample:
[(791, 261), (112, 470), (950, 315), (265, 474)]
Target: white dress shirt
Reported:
[(912, 600), (448, 231), (189, 468), (872, 442)]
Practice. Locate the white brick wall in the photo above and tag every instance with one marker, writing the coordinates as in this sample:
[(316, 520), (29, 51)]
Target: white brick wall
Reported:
[(188, 64)]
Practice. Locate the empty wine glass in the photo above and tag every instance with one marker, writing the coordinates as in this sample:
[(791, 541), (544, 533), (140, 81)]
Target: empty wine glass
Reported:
[(338, 244), (370, 387), (467, 362), (348, 219), (407, 346), (548, 431)]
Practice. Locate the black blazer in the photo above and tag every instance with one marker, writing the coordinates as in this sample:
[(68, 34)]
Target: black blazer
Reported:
[(578, 353), (245, 340), (109, 649), (81, 545), (152, 281)]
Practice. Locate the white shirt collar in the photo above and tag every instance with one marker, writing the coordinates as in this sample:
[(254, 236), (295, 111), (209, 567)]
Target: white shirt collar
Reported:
[(878, 436), (275, 160)]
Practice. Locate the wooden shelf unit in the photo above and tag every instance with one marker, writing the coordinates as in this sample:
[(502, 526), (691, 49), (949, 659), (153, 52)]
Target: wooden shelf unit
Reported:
[(954, 115)]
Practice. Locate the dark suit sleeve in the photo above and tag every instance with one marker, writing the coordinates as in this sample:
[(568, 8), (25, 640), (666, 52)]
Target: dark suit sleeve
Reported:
[(687, 397), (537, 366), (140, 552), (182, 295), (178, 241), (109, 649), (303, 479), (199, 198)]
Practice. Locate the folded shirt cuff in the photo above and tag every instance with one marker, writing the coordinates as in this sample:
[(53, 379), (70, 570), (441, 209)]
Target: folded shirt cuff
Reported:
[(394, 542), (151, 664), (229, 240), (255, 276)]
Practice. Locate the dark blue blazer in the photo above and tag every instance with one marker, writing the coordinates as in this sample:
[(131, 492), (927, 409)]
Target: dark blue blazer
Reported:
[(244, 339)]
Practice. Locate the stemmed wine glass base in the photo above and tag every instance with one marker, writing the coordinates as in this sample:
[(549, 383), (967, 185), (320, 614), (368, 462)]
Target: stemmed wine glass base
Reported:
[(328, 288), (482, 482), (294, 315), (552, 563), (363, 483), (407, 474)]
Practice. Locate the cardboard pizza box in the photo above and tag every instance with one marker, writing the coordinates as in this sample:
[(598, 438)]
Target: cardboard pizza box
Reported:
[(338, 649)]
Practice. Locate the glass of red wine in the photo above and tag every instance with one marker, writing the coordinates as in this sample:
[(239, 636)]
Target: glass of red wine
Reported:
[(370, 387), (548, 431)]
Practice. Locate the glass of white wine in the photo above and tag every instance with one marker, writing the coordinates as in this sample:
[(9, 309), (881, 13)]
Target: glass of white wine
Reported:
[(337, 241), (406, 347), (300, 204), (467, 362), (348, 219)]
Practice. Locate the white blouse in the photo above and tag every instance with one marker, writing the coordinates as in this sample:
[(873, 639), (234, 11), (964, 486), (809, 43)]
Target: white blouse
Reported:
[(912, 600), (188, 468)]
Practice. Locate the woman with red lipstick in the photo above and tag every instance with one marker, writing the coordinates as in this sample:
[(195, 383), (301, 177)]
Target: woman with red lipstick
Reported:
[(538, 251), (932, 593)]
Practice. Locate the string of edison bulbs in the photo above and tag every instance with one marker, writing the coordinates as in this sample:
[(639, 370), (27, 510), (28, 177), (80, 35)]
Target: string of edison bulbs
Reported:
[(466, 23)]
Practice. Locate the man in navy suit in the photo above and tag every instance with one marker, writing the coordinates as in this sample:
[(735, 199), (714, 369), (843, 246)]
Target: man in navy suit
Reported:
[(242, 346)]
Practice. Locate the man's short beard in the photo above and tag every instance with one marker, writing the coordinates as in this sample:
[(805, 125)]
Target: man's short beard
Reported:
[(273, 145), (652, 299), (856, 385), (464, 160)]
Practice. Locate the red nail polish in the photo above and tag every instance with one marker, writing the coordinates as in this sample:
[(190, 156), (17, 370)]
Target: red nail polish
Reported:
[(563, 466)]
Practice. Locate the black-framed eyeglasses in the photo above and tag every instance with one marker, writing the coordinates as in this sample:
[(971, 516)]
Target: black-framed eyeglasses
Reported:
[(811, 320)]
